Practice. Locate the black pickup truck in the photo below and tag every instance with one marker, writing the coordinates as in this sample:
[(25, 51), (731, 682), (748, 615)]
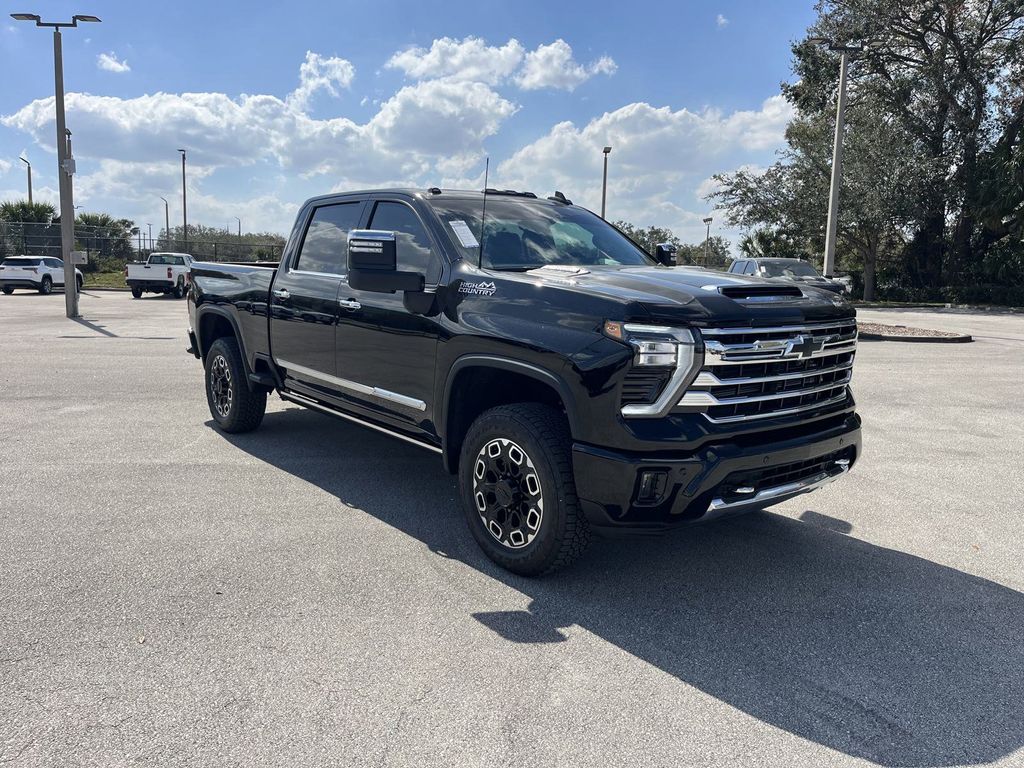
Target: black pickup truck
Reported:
[(575, 383)]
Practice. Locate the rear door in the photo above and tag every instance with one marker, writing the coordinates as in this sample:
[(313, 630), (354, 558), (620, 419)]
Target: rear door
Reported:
[(55, 269), (304, 297), (385, 353)]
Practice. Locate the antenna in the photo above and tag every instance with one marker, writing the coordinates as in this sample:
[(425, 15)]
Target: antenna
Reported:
[(483, 215)]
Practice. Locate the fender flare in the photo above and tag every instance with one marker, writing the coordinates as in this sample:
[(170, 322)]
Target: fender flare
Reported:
[(473, 360), (203, 311)]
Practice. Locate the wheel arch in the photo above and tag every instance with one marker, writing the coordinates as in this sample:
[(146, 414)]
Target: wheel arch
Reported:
[(477, 383)]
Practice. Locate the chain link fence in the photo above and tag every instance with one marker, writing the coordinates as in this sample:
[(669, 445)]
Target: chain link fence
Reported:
[(110, 251)]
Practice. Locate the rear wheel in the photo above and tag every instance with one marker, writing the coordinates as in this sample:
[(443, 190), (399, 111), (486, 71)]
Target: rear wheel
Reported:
[(46, 288), (518, 492), (136, 293), (78, 283), (179, 288), (233, 405)]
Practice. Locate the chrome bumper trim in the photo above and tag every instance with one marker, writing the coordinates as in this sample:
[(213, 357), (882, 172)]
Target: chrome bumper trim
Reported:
[(775, 495)]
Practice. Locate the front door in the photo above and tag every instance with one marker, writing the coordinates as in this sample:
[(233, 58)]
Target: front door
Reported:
[(387, 352), (304, 298)]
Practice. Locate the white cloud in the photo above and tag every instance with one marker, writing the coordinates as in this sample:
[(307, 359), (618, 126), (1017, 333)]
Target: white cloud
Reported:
[(721, 21), (321, 73), (110, 63), (552, 66), (468, 59), (5, 166), (660, 159)]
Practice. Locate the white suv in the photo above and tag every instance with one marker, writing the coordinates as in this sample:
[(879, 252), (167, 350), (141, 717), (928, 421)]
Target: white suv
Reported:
[(40, 273)]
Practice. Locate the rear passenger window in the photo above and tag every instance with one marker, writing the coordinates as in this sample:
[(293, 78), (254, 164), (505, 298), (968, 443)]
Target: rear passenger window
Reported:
[(325, 247), (413, 245)]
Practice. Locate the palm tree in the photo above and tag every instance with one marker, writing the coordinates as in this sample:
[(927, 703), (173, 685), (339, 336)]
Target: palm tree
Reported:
[(23, 210), (766, 243)]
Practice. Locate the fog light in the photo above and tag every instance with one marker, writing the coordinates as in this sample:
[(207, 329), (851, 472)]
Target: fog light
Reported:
[(652, 486)]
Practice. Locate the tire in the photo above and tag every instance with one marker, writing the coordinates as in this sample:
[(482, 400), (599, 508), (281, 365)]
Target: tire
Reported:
[(46, 287), (8, 289), (179, 288), (234, 406), (136, 293), (79, 282), (527, 526)]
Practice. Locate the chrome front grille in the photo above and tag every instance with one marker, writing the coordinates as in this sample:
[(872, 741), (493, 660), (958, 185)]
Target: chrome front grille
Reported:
[(759, 373)]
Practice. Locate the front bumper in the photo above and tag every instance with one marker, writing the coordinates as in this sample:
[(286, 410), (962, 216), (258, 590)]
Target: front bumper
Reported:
[(651, 492)]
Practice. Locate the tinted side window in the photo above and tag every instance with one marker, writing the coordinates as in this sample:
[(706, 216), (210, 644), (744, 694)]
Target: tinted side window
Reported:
[(413, 245), (737, 266), (325, 247)]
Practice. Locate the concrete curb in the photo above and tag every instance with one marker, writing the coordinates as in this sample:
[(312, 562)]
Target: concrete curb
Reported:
[(919, 339)]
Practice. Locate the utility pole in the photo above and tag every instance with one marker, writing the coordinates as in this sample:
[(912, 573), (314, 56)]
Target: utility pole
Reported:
[(832, 225), (707, 239), (604, 180), (167, 221), (29, 168), (184, 201), (65, 160)]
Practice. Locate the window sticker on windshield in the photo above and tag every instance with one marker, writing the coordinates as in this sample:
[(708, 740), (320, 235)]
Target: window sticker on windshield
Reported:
[(463, 232)]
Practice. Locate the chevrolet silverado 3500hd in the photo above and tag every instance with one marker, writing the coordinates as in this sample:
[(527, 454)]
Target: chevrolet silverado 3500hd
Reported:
[(573, 382)]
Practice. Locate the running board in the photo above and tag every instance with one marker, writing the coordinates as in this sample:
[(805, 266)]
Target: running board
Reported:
[(331, 411)]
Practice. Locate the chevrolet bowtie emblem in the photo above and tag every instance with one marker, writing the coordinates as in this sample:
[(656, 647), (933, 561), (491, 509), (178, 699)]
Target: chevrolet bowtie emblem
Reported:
[(805, 346)]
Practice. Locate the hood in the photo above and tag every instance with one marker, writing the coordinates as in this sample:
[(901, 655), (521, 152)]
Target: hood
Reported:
[(693, 294)]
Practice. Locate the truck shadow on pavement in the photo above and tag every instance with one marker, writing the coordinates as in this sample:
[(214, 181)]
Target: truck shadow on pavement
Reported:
[(872, 652)]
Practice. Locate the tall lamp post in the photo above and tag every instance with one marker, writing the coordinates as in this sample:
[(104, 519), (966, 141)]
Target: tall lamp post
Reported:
[(150, 236), (832, 224), (65, 162), (239, 225), (167, 221), (184, 201), (707, 238), (29, 165), (604, 180)]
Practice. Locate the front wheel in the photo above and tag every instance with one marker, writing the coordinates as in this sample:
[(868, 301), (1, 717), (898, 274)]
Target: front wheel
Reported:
[(234, 406), (8, 290), (518, 492), (46, 288)]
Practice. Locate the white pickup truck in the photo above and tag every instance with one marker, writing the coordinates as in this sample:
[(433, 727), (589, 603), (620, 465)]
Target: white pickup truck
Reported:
[(160, 273)]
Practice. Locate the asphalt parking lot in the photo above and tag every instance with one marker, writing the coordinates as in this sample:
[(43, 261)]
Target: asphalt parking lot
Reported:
[(308, 594)]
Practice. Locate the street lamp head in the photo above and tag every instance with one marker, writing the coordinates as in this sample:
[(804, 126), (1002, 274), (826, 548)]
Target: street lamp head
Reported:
[(85, 17), (607, 150), (25, 17), (182, 151), (819, 41), (874, 45), (708, 220), (25, 161)]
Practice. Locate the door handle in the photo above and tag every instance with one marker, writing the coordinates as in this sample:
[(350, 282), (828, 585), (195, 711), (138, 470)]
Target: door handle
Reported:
[(350, 304), (281, 293)]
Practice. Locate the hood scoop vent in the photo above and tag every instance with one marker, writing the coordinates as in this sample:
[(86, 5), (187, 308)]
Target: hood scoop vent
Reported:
[(753, 293)]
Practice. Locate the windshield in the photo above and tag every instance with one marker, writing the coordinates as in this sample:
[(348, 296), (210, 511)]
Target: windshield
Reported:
[(787, 269), (525, 234)]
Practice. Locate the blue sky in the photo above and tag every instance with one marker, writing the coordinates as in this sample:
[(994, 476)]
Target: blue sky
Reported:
[(279, 102)]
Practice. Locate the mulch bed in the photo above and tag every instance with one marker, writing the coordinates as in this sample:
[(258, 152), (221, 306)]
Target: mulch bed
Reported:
[(882, 332)]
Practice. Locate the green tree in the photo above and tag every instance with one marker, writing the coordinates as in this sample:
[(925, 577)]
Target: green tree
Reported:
[(765, 242), (107, 240), (23, 210), (649, 238), (717, 253)]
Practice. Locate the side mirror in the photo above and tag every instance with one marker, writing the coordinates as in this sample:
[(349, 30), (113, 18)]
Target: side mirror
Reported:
[(373, 263), (665, 253)]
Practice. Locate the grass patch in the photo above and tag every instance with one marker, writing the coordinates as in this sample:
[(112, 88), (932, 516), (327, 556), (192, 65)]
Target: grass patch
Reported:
[(105, 280)]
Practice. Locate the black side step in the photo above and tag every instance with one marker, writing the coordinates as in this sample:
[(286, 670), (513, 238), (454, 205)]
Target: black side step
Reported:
[(262, 380)]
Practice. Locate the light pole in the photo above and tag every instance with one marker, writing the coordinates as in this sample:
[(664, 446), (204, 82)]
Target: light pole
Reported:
[(65, 162), (832, 224), (604, 180), (239, 225), (184, 201), (167, 221), (27, 163), (150, 236), (707, 238)]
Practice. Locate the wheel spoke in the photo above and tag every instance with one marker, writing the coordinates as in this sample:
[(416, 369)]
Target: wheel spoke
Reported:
[(507, 493)]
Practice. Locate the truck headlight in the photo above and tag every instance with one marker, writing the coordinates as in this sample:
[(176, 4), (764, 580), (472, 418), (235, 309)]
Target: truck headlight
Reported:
[(659, 346)]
